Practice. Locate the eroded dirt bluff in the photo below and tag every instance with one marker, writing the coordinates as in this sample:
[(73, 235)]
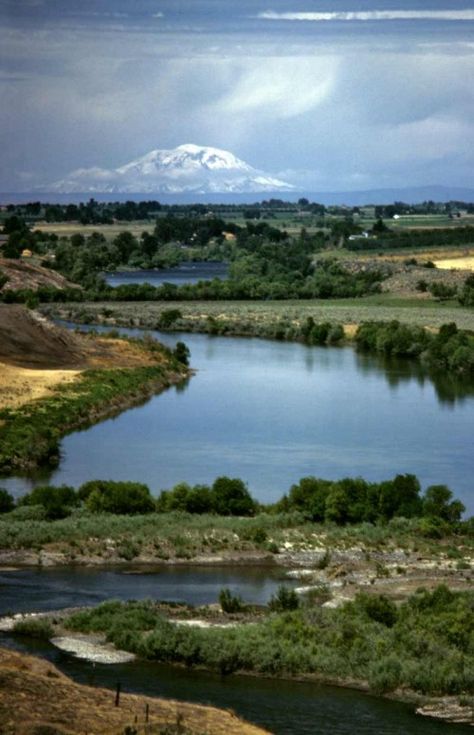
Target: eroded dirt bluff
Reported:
[(36, 697), (30, 340), (22, 274)]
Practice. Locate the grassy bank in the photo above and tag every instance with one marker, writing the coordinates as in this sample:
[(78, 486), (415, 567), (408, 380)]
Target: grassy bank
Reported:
[(30, 434)]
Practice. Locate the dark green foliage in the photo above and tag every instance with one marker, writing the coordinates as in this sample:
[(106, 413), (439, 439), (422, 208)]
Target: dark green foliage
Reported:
[(58, 502), (284, 599), (438, 503), (425, 644), (466, 297), (181, 353), (34, 628), (231, 497), (450, 350), (227, 497), (442, 291), (121, 498), (354, 500), (378, 608), (168, 317), (411, 239), (7, 502), (230, 603)]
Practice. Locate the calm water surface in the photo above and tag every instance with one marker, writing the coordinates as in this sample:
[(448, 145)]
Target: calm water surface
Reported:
[(271, 413), (187, 272), (24, 590)]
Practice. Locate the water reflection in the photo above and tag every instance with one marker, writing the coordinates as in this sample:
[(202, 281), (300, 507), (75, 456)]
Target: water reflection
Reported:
[(449, 389)]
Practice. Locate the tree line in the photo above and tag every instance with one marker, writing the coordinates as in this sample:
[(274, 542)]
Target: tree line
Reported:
[(342, 502)]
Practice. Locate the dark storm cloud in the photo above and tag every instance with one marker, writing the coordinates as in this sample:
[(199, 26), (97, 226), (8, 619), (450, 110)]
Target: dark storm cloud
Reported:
[(377, 94)]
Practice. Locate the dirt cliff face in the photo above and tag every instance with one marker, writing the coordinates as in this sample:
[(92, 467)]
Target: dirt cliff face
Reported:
[(30, 340), (22, 274)]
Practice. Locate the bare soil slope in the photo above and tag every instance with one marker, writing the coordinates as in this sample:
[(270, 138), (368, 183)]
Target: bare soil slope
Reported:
[(30, 340), (22, 274), (35, 698), (36, 355)]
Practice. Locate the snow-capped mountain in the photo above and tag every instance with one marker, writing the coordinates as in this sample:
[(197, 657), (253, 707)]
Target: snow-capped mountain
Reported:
[(187, 168)]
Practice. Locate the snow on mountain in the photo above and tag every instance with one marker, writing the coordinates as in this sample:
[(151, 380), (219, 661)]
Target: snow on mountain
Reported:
[(187, 168)]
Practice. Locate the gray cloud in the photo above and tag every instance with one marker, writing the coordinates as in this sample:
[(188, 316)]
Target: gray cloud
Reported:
[(334, 109), (370, 15)]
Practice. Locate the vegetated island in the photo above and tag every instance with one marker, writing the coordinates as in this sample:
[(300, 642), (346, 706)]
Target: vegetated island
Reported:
[(37, 697), (53, 381)]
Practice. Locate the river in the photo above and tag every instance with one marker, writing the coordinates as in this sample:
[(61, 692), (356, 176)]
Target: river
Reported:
[(186, 272), (268, 412), (271, 413), (283, 707)]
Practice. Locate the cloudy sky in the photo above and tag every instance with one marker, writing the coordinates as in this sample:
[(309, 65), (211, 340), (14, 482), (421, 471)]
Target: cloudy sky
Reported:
[(328, 94)]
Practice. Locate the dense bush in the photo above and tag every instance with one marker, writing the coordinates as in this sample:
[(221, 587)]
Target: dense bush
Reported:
[(354, 500), (7, 502), (227, 497), (34, 628), (284, 599), (58, 502), (424, 644), (451, 349), (230, 603), (107, 496)]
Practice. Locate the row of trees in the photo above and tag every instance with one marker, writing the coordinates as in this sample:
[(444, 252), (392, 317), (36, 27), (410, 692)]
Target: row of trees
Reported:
[(451, 349), (346, 501)]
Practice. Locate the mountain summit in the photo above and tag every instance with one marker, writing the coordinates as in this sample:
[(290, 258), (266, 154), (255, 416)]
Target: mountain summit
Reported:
[(187, 168)]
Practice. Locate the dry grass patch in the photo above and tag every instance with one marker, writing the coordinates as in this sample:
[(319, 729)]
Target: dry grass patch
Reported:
[(22, 385), (36, 697)]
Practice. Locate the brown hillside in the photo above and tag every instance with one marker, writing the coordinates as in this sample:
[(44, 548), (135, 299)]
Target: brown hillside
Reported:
[(35, 698), (28, 339), (22, 274)]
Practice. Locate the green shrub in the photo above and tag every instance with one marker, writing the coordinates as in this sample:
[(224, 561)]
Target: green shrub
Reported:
[(7, 502), (122, 498), (230, 603), (34, 628), (285, 599), (58, 502)]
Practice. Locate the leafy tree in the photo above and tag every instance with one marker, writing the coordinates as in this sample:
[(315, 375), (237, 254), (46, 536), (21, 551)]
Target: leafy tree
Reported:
[(438, 503), (58, 502), (182, 353), (124, 498), (232, 498)]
